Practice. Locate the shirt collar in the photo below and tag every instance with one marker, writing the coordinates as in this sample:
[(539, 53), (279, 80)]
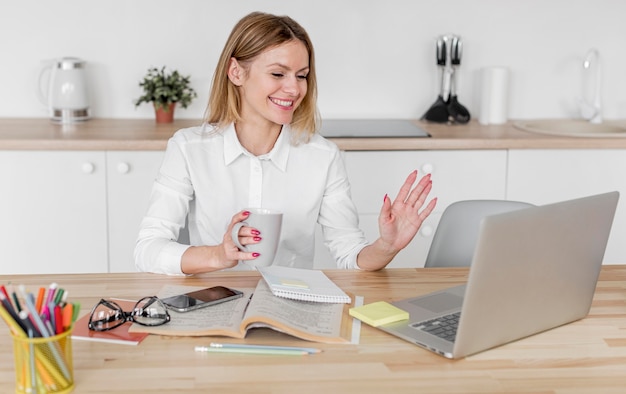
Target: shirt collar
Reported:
[(278, 155)]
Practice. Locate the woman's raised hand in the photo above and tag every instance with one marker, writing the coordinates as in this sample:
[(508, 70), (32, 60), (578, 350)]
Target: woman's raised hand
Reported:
[(400, 220)]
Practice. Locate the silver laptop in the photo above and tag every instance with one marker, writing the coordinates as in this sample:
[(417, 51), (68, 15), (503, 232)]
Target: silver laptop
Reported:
[(533, 269)]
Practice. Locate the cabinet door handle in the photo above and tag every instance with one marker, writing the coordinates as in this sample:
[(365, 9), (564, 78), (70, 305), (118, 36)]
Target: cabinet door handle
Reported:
[(123, 168), (426, 231), (88, 168)]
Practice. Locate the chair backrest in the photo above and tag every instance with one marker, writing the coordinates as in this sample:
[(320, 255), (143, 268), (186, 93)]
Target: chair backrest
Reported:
[(183, 236), (457, 232)]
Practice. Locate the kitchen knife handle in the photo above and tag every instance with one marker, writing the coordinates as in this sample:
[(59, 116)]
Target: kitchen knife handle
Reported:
[(456, 48), (441, 51)]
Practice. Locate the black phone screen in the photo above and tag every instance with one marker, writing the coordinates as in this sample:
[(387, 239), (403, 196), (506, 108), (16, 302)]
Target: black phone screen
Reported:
[(204, 297)]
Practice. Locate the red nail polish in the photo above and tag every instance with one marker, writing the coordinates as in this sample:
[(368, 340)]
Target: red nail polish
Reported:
[(256, 232), (255, 254), (246, 213), (257, 239)]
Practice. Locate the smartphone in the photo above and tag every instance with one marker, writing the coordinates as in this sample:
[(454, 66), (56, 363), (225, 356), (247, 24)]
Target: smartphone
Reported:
[(201, 298)]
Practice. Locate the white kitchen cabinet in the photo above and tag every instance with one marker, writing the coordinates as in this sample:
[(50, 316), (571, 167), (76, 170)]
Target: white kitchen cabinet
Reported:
[(456, 174), (79, 211), (53, 212), (130, 176), (550, 175)]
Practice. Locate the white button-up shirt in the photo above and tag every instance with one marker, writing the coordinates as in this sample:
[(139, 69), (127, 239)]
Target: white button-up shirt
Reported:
[(207, 177)]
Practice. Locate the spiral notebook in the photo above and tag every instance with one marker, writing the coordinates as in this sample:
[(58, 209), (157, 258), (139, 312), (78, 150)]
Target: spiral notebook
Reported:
[(303, 284)]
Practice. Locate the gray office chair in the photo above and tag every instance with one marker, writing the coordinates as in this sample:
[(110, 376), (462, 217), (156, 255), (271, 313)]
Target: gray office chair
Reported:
[(457, 232), (183, 236)]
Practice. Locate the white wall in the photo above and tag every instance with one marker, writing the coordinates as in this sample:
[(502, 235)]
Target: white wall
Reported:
[(375, 58)]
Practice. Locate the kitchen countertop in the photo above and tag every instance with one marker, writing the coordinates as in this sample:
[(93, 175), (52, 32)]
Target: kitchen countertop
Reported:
[(145, 134)]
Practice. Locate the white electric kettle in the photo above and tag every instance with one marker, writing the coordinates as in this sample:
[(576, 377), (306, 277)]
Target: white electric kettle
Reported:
[(66, 93)]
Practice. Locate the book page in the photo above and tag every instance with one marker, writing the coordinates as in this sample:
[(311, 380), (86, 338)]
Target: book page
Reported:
[(320, 322), (220, 319)]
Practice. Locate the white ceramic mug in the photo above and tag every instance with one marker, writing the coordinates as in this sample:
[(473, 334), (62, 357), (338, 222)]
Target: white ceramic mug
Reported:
[(269, 223)]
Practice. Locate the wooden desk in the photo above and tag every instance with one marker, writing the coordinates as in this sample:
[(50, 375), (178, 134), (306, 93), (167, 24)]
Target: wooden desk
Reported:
[(585, 356)]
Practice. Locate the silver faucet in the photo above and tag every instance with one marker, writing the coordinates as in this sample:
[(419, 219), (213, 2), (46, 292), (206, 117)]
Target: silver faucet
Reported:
[(591, 110)]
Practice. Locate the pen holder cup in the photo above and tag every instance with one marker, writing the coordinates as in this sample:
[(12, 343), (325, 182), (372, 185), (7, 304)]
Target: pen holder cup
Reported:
[(44, 364)]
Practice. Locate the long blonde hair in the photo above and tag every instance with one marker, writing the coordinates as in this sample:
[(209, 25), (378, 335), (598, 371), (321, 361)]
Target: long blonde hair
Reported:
[(252, 35)]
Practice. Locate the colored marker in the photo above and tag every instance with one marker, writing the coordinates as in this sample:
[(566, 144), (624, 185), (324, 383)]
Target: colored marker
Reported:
[(16, 302), (17, 327), (40, 295), (58, 320), (45, 312), (68, 312), (45, 333)]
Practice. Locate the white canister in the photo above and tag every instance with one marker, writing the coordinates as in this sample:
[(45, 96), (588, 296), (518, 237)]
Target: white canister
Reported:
[(494, 95)]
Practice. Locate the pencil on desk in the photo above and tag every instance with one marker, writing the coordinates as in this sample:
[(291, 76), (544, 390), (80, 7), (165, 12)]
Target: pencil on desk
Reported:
[(282, 352), (309, 350)]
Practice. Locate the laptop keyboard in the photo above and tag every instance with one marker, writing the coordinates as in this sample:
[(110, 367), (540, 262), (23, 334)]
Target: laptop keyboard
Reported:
[(443, 327)]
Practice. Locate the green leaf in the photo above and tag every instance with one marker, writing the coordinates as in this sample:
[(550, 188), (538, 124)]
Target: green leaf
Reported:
[(162, 88)]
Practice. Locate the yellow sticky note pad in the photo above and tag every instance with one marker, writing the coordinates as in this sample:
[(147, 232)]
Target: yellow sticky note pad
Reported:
[(294, 283), (378, 313)]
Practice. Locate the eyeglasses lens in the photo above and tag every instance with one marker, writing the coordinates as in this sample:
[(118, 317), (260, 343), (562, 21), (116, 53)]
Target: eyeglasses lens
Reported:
[(106, 315), (148, 311)]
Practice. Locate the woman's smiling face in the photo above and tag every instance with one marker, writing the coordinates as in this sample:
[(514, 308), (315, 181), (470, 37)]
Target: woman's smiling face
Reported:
[(274, 84)]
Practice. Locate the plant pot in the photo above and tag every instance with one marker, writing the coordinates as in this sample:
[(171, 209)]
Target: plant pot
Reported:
[(164, 114)]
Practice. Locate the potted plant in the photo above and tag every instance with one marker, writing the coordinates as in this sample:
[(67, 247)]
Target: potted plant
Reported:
[(164, 89)]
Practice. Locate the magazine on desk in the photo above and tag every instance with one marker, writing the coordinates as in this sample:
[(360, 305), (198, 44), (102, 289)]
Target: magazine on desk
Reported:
[(311, 321)]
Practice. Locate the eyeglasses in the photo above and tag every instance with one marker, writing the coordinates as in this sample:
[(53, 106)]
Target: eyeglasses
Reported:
[(107, 314)]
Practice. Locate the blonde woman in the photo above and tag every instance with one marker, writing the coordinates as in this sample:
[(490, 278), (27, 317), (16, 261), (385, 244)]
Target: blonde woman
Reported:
[(258, 147)]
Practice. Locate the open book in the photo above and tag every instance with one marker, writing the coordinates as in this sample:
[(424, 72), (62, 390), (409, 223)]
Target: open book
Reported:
[(312, 321)]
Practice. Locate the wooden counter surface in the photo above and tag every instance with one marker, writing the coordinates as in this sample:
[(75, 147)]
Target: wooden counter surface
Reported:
[(145, 134), (586, 356)]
